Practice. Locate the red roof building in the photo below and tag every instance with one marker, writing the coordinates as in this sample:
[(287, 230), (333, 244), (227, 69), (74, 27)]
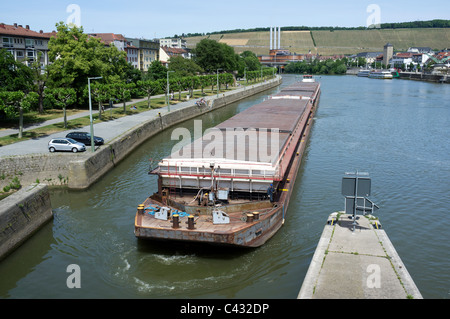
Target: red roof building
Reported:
[(25, 44)]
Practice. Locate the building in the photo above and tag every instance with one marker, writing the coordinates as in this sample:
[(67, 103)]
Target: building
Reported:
[(108, 39), (370, 57), (177, 43), (388, 54), (166, 53), (148, 51), (427, 50), (24, 44), (401, 59), (132, 55)]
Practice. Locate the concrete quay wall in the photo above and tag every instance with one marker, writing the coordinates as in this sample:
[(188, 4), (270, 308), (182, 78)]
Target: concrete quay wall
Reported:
[(36, 168), (21, 215), (424, 77)]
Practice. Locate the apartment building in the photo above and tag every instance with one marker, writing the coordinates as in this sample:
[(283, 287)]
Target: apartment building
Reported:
[(176, 43), (148, 51), (25, 44)]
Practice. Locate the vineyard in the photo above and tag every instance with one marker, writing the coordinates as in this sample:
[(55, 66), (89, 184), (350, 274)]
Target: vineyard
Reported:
[(328, 42)]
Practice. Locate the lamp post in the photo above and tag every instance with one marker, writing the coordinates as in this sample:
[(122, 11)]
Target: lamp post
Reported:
[(245, 77), (90, 112), (218, 82), (168, 91)]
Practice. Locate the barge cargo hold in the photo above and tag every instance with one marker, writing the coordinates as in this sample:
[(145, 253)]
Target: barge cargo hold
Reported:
[(227, 188)]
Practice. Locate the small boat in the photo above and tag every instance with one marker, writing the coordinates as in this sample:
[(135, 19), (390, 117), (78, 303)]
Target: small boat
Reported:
[(381, 75), (363, 73)]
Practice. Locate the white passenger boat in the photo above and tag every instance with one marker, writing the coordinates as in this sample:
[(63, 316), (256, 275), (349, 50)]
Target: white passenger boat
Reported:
[(363, 73), (381, 75)]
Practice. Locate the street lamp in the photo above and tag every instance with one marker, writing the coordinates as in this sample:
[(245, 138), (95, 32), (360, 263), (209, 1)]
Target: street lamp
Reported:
[(245, 77), (218, 82), (90, 112), (168, 91)]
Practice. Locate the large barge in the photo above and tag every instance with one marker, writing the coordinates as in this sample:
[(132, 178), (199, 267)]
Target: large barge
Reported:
[(233, 185)]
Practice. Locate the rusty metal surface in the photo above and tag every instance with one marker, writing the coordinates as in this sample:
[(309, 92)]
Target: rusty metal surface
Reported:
[(270, 114)]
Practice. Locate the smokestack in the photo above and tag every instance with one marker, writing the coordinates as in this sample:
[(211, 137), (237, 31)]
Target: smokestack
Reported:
[(275, 38), (271, 38), (279, 38)]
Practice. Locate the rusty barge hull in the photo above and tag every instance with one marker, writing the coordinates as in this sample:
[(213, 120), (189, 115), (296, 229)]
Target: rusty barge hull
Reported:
[(251, 222)]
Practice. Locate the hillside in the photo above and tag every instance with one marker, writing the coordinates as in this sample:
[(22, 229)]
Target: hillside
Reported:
[(328, 42)]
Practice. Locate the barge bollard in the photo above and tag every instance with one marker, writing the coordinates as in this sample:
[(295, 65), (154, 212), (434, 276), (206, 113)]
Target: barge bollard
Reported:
[(176, 221), (250, 218), (141, 209), (191, 223)]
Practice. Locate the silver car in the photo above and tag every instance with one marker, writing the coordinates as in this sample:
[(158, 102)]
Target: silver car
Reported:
[(65, 144)]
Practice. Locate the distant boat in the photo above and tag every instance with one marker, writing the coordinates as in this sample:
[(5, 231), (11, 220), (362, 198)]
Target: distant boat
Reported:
[(308, 78), (363, 73), (381, 75)]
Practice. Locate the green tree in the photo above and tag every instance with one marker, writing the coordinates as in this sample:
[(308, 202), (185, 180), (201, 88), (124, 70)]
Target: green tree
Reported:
[(212, 55), (184, 67), (40, 78), (61, 98), (14, 76), (149, 88), (157, 71), (123, 92), (13, 102), (75, 56)]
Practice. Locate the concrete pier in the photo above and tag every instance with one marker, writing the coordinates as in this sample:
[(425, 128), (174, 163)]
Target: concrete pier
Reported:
[(359, 264)]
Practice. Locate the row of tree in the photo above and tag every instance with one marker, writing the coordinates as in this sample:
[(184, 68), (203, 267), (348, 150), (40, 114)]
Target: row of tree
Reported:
[(318, 67)]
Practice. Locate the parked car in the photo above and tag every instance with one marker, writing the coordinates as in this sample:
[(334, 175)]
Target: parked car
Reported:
[(65, 144), (85, 138)]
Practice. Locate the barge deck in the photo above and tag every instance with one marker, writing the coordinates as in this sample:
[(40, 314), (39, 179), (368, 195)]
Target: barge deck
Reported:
[(222, 197)]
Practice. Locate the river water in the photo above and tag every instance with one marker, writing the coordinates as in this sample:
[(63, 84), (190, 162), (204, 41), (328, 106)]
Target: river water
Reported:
[(396, 130)]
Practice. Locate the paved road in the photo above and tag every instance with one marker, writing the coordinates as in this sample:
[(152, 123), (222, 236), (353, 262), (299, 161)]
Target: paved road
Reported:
[(108, 130)]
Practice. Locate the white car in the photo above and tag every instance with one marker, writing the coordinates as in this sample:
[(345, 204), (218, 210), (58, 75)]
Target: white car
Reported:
[(65, 144)]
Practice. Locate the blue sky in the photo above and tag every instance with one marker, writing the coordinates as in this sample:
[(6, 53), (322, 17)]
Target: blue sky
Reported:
[(150, 19)]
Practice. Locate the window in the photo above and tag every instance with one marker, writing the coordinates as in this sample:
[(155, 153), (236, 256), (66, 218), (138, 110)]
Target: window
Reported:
[(29, 43), (7, 42), (20, 54)]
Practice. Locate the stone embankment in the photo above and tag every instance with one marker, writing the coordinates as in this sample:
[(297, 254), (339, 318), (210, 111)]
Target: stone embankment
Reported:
[(21, 215)]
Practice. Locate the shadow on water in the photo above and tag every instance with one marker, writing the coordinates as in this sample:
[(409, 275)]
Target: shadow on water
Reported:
[(201, 250)]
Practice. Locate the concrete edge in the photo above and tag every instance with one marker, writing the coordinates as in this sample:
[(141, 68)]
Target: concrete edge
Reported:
[(405, 278), (309, 283)]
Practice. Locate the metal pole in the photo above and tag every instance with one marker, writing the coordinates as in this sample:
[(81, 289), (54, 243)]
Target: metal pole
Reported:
[(90, 113), (218, 82), (168, 91), (355, 201)]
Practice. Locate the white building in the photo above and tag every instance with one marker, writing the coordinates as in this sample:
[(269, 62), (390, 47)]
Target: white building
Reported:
[(176, 43)]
